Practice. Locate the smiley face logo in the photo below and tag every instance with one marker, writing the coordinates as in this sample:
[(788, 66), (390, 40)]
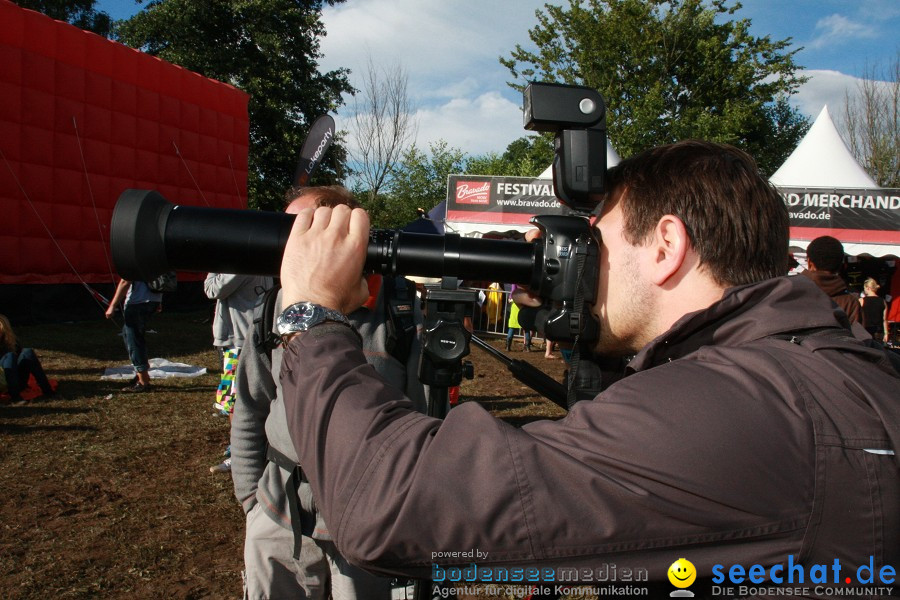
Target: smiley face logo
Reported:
[(682, 573)]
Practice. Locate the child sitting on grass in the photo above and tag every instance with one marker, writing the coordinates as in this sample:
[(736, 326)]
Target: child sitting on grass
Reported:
[(19, 364)]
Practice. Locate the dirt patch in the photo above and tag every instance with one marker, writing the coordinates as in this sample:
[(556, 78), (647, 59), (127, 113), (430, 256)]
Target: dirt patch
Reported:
[(109, 495)]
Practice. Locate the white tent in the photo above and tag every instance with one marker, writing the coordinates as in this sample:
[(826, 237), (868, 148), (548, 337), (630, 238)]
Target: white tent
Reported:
[(822, 160)]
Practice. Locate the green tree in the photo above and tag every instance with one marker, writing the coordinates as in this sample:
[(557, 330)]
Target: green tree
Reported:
[(525, 157), (670, 70), (267, 48), (80, 13), (420, 181)]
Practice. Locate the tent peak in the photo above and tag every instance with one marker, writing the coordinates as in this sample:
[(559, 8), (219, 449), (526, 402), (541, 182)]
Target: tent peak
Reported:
[(822, 159)]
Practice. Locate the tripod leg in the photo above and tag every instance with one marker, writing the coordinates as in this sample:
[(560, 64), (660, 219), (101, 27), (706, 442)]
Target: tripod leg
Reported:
[(438, 401)]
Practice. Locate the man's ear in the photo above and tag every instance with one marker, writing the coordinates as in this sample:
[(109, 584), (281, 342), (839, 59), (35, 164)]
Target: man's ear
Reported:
[(669, 246)]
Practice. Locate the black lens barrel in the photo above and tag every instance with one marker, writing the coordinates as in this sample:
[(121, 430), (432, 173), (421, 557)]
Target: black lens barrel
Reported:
[(150, 236), (426, 255)]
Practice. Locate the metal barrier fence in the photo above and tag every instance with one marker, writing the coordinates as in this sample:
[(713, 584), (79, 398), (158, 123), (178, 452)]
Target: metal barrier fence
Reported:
[(492, 316)]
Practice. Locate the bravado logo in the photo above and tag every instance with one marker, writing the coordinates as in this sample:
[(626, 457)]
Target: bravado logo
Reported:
[(473, 192)]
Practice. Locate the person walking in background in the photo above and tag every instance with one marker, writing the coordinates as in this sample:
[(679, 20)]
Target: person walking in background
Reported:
[(494, 307), (19, 364), (236, 296), (825, 256), (140, 303), (512, 324), (874, 311)]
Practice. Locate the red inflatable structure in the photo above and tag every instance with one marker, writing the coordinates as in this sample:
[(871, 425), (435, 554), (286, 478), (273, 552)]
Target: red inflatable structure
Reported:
[(83, 118)]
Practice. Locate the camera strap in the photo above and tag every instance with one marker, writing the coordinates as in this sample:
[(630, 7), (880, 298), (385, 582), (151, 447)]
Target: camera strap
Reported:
[(581, 255)]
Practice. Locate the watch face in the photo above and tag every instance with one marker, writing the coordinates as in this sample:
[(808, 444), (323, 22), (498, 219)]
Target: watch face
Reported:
[(299, 312), (303, 315), (299, 317)]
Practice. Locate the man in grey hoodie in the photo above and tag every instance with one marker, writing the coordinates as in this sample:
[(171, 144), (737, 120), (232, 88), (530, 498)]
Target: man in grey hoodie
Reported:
[(278, 562), (236, 296)]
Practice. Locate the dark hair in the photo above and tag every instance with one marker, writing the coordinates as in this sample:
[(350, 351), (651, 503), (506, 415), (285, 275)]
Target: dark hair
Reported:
[(7, 336), (826, 253), (735, 219), (326, 195)]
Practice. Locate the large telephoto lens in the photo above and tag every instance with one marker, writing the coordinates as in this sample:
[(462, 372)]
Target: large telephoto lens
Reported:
[(150, 236)]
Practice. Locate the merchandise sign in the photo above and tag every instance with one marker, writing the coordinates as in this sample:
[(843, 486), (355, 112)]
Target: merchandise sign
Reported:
[(506, 200), (849, 214)]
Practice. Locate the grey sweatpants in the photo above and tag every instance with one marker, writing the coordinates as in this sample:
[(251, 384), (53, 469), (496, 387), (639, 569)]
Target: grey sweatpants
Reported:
[(271, 573)]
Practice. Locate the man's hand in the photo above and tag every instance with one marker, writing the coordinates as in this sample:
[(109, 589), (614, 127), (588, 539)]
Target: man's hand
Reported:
[(522, 295), (324, 257), (111, 309)]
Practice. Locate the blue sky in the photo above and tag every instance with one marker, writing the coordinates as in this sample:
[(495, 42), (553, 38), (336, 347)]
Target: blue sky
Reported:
[(449, 48)]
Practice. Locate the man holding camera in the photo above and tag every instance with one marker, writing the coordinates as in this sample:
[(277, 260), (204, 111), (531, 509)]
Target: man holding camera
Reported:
[(751, 427)]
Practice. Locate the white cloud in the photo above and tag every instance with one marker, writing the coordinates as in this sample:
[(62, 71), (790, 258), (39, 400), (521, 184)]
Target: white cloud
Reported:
[(829, 88), (839, 30), (486, 123), (438, 43), (450, 52), (825, 88)]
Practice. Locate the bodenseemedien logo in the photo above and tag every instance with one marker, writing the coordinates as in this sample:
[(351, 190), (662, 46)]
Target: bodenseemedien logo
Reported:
[(682, 574)]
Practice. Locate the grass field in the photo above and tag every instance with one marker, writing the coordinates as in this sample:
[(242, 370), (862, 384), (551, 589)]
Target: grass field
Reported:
[(109, 495)]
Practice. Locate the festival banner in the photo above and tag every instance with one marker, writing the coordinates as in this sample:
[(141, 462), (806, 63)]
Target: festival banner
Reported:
[(851, 215), (501, 200)]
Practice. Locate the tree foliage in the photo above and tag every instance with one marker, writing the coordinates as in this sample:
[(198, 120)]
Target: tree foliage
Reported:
[(872, 121), (80, 13), (670, 70), (267, 48), (525, 157), (420, 181)]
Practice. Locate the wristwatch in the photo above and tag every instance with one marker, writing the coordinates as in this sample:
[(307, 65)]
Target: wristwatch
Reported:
[(304, 315)]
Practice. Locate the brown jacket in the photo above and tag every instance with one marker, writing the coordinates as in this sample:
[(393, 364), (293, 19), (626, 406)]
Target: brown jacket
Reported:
[(725, 446), (837, 290)]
